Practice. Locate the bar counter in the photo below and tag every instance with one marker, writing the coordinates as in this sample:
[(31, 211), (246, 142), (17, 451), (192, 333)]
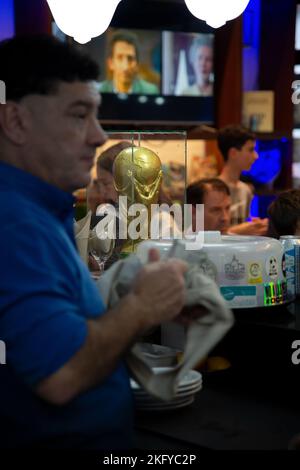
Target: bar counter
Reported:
[(252, 405)]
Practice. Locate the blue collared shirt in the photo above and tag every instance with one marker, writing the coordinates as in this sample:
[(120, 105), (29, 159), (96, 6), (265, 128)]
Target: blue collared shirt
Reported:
[(46, 296)]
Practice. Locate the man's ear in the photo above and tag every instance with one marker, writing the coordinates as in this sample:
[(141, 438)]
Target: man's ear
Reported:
[(14, 122), (232, 153)]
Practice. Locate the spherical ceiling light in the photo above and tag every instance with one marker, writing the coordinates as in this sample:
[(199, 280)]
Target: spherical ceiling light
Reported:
[(83, 19), (216, 12)]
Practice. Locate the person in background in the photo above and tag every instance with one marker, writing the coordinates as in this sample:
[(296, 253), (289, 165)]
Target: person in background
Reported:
[(215, 195), (108, 194), (94, 196), (237, 146), (101, 190), (284, 214), (65, 384), (122, 63), (104, 168), (201, 58)]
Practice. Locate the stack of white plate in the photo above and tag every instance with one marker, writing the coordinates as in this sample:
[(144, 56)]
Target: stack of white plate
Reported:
[(188, 386)]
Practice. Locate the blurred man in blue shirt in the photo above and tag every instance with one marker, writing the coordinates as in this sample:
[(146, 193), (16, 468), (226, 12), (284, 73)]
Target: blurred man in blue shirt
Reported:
[(64, 384)]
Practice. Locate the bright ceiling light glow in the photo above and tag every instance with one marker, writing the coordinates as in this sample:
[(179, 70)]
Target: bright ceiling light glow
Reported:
[(83, 19), (216, 12)]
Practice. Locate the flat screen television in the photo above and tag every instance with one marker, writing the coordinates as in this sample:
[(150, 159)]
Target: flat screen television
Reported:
[(160, 76), (175, 51)]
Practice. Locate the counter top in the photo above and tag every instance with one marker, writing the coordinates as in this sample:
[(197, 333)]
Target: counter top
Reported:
[(286, 317), (253, 405), (221, 419)]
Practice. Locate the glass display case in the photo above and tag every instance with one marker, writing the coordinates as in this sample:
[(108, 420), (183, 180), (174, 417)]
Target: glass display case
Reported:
[(138, 188)]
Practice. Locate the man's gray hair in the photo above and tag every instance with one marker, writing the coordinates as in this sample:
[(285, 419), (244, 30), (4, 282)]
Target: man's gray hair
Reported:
[(199, 41)]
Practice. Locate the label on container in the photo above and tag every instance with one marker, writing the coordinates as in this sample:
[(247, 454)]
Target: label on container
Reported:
[(272, 267), (208, 268), (234, 270), (255, 273), (290, 272), (240, 296), (297, 269), (275, 293)]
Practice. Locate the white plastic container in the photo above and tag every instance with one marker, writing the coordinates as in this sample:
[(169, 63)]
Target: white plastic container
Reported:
[(249, 270)]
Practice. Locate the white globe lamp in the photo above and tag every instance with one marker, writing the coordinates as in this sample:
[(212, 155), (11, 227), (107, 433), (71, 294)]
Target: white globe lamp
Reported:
[(83, 19), (216, 12)]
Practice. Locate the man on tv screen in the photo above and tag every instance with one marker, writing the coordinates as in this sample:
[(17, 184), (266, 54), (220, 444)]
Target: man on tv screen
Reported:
[(201, 59), (123, 67)]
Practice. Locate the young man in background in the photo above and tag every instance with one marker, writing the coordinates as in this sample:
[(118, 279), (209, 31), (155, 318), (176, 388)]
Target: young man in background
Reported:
[(237, 146)]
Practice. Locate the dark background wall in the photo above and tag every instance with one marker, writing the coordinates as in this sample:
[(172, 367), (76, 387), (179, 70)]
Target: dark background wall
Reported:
[(276, 52)]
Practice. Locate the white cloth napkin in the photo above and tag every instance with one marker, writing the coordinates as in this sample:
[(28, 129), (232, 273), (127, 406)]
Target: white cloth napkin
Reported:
[(201, 335)]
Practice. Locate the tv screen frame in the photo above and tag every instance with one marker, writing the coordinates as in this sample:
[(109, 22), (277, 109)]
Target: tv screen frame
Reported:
[(155, 109)]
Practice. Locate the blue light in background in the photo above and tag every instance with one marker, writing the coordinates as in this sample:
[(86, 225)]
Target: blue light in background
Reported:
[(260, 204), (264, 171), (266, 168), (251, 45), (7, 20), (254, 209)]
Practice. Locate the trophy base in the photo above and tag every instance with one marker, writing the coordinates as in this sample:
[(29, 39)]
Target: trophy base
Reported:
[(130, 246)]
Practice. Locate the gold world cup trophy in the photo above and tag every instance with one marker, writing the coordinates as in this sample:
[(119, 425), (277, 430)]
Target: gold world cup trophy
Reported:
[(137, 175)]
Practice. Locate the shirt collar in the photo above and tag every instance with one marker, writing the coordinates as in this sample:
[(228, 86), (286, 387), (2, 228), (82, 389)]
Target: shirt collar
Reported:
[(59, 202)]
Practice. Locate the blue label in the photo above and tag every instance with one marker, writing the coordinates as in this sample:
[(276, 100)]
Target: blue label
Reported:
[(238, 291)]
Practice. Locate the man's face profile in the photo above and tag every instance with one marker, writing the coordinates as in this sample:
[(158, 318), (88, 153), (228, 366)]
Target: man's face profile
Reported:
[(203, 65), (123, 65), (105, 182), (216, 211), (247, 155), (62, 134)]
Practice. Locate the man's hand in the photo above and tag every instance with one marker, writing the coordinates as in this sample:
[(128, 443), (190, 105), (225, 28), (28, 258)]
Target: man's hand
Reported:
[(190, 314), (160, 290), (256, 226), (157, 295)]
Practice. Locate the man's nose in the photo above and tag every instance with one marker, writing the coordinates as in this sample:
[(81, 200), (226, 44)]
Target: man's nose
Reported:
[(225, 215), (125, 63), (97, 135)]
